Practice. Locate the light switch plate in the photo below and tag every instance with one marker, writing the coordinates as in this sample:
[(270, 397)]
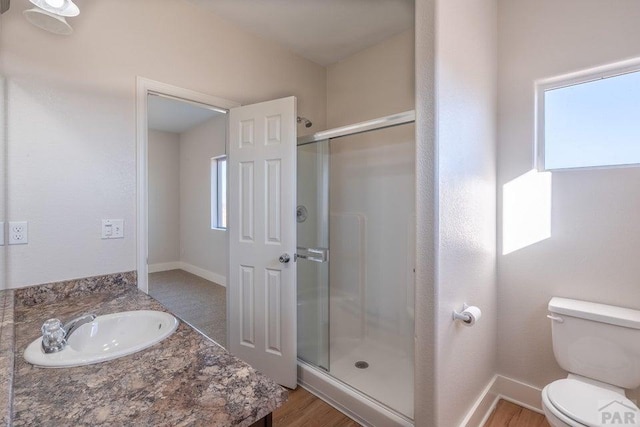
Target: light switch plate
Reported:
[(1, 233), (112, 228)]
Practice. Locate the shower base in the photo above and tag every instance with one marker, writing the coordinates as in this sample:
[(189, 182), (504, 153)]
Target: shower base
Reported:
[(348, 400), (387, 379)]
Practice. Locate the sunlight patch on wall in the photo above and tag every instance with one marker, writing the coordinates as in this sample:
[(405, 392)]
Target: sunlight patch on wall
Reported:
[(526, 210)]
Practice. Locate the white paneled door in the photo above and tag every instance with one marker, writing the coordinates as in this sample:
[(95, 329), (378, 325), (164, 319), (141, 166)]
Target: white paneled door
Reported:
[(262, 237)]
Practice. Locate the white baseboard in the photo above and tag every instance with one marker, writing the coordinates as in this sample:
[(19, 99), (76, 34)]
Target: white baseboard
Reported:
[(483, 407), (205, 274), (501, 387), (520, 393), (181, 265), (164, 266)]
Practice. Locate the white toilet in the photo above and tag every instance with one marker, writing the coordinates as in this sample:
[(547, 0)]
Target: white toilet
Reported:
[(600, 347)]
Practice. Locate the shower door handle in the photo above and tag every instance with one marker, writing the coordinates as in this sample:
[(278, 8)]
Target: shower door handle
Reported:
[(313, 254)]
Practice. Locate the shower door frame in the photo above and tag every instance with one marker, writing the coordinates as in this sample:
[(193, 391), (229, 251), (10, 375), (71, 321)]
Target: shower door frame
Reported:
[(319, 252), (369, 125), (358, 405)]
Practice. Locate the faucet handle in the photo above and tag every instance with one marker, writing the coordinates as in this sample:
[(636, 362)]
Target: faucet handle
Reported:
[(53, 336)]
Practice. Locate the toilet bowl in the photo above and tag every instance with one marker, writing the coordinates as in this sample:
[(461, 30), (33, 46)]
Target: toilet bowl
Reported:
[(579, 402), (599, 345)]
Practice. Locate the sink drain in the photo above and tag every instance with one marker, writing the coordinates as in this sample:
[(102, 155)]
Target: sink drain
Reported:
[(361, 364)]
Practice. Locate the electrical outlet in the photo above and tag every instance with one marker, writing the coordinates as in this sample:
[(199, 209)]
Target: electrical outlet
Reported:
[(1, 233), (18, 232), (112, 228)]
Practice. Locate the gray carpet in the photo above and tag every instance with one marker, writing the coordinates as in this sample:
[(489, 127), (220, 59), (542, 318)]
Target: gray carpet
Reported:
[(199, 302)]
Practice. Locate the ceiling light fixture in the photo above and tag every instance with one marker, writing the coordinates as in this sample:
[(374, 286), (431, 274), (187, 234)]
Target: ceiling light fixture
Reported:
[(50, 15), (48, 21), (65, 8)]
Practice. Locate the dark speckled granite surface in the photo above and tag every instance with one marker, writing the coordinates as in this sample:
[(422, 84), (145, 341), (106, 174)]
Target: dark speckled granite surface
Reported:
[(6, 356), (186, 380)]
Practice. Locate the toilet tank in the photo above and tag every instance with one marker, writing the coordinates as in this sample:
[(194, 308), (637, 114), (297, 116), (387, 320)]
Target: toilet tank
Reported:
[(597, 341)]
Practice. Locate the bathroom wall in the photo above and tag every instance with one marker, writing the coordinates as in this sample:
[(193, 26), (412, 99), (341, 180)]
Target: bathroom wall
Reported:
[(466, 61), (425, 409), (71, 118), (200, 246), (164, 197), (3, 183), (592, 253), (373, 83)]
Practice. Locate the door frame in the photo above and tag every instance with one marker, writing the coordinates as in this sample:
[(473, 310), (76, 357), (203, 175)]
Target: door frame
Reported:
[(144, 87)]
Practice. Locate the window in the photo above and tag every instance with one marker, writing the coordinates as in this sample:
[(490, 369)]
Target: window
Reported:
[(219, 192), (590, 119)]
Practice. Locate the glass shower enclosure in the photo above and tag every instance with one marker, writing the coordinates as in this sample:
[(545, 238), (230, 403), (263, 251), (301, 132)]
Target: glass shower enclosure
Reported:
[(356, 257)]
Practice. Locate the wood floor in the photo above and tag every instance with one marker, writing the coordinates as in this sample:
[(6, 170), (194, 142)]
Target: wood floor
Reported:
[(508, 414), (303, 409)]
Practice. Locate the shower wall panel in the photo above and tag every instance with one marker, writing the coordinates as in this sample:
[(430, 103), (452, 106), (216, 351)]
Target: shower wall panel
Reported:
[(372, 235)]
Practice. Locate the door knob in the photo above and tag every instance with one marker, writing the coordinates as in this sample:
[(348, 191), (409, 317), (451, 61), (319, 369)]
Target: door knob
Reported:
[(284, 258)]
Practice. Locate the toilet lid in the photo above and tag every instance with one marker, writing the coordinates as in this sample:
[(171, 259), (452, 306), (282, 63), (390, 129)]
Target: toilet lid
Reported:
[(591, 405)]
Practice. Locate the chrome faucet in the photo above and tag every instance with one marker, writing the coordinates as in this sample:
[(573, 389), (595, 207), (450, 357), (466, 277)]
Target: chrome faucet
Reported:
[(55, 335), (71, 326)]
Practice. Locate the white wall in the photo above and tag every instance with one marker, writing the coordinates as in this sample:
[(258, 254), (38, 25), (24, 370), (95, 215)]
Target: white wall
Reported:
[(71, 118), (375, 82), (164, 197), (200, 246), (3, 188), (595, 239), (466, 61), (425, 406)]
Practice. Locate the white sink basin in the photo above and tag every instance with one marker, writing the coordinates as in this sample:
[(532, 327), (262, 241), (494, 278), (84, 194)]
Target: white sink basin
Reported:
[(107, 337)]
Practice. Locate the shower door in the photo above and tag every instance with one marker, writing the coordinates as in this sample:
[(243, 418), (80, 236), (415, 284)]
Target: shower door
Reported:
[(356, 197), (313, 253), (372, 235)]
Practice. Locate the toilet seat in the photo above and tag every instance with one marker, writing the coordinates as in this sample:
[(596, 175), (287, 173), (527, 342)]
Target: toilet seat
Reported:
[(580, 403)]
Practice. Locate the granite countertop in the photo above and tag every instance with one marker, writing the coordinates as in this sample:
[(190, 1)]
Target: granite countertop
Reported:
[(185, 380), (6, 355)]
